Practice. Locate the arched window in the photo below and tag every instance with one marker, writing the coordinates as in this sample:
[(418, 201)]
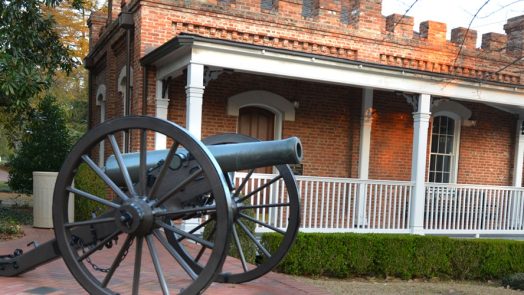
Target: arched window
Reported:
[(121, 86), (101, 102), (448, 116)]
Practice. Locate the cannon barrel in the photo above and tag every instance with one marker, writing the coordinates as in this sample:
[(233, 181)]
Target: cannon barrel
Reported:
[(230, 157)]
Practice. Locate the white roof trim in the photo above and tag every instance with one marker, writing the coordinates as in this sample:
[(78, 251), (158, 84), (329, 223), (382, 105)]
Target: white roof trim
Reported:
[(281, 64), (261, 98)]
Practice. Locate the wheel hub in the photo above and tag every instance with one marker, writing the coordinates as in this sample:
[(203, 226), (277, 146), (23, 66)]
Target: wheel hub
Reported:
[(135, 217)]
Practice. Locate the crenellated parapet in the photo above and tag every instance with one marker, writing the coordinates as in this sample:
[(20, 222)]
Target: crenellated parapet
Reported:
[(349, 29)]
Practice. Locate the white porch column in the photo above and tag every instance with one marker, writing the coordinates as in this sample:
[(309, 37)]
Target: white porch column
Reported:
[(363, 163), (194, 98), (518, 163), (418, 166), (519, 155), (162, 105)]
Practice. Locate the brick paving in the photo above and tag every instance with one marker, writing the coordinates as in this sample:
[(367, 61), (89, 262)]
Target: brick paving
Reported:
[(54, 278)]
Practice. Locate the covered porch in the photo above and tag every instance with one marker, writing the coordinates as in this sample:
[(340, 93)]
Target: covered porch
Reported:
[(359, 203)]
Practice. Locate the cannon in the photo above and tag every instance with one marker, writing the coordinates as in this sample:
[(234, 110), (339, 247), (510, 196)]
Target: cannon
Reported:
[(196, 202)]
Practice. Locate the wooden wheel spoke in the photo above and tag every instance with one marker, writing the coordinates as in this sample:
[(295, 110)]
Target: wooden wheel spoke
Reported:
[(244, 182), (98, 245), (156, 263), (239, 248), (262, 223), (142, 173), (181, 185), (122, 165), (118, 260), (254, 239), (276, 205), (260, 188), (163, 170), (90, 222), (137, 266), (193, 237), (105, 178), (176, 255)]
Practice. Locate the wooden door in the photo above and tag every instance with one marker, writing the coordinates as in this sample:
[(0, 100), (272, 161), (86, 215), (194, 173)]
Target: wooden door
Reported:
[(258, 123)]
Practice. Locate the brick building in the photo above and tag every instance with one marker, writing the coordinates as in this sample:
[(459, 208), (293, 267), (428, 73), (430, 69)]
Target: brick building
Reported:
[(403, 130)]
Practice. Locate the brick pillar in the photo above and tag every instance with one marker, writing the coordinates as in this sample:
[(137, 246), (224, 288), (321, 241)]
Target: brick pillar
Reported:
[(327, 11), (401, 26), (435, 32), (366, 15), (494, 41), (515, 30), (459, 36)]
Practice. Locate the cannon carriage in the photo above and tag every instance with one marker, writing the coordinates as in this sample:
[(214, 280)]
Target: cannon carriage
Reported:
[(191, 201)]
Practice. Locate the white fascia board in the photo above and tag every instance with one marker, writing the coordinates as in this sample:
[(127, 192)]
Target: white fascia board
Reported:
[(173, 64), (267, 62)]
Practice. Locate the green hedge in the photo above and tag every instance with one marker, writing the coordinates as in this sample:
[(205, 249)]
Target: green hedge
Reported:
[(87, 180), (404, 256)]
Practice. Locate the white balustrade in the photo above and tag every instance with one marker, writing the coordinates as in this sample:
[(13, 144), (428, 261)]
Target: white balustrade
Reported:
[(473, 209)]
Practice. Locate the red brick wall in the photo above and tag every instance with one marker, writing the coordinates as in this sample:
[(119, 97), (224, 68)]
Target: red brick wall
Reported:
[(391, 137), (487, 149), (327, 120)]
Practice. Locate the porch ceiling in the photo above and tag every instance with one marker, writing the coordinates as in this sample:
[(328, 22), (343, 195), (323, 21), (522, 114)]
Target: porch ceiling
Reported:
[(172, 57)]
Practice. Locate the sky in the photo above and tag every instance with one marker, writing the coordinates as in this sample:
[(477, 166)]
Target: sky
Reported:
[(459, 13)]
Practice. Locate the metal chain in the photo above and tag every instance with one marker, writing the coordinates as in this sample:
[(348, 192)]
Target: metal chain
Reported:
[(80, 243)]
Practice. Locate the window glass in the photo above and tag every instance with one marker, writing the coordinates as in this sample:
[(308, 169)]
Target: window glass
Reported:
[(442, 149)]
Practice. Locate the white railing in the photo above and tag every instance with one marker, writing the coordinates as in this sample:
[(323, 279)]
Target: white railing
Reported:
[(343, 204), (330, 204), (473, 209), (335, 204)]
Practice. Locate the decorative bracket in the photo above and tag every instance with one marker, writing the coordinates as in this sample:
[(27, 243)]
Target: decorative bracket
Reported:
[(211, 74), (412, 99), (165, 86)]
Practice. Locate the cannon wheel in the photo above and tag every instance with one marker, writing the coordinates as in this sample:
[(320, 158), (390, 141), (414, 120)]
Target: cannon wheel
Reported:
[(239, 270), (135, 214)]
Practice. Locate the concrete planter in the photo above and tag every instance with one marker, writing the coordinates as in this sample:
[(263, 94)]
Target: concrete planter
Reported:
[(43, 188)]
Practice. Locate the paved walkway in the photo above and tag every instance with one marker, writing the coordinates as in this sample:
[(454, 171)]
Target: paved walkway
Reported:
[(3, 175), (54, 278)]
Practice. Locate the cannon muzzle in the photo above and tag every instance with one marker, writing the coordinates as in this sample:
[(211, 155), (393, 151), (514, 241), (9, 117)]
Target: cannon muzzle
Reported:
[(230, 157)]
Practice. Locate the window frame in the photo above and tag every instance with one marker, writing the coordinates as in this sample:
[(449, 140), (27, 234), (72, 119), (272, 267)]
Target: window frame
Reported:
[(456, 145)]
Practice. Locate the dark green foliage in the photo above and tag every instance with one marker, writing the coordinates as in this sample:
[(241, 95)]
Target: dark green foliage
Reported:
[(514, 281), (12, 218), (87, 181), (248, 247), (4, 188), (403, 256), (43, 148)]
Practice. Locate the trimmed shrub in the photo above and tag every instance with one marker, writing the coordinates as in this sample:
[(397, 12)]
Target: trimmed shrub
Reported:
[(248, 247), (43, 148), (514, 281), (403, 256), (87, 181)]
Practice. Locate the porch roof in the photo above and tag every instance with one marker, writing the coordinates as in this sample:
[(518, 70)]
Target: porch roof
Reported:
[(173, 56)]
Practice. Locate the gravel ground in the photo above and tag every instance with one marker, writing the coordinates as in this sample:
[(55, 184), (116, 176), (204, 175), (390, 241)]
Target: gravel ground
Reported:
[(15, 199), (379, 286)]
